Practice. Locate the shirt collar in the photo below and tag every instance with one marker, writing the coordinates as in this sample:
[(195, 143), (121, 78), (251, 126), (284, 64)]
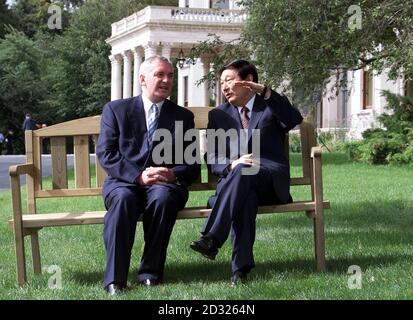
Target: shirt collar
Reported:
[(249, 104), (147, 104)]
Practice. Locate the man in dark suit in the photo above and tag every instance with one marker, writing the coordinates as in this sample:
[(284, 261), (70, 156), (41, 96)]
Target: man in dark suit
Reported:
[(139, 181), (29, 123), (256, 111)]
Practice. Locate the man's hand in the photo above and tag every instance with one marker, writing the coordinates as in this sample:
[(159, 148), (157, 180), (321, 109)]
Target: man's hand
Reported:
[(253, 86), (153, 175), (245, 159)]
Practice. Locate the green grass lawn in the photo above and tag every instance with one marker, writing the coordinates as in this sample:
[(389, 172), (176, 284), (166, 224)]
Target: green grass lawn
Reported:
[(369, 225)]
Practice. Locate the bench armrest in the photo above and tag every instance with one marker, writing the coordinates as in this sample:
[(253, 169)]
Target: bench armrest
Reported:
[(317, 176), (15, 173), (18, 170)]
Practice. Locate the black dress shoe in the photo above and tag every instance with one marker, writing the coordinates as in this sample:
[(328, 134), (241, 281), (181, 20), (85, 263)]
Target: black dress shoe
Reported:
[(205, 246), (114, 289), (238, 278), (149, 282)]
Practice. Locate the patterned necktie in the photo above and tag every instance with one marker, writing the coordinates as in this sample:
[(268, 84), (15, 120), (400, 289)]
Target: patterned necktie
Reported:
[(153, 117), (245, 120)]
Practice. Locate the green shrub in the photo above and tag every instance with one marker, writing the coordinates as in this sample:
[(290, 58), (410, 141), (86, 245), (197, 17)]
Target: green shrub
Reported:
[(295, 142), (351, 148), (332, 141), (326, 140), (402, 158), (394, 143), (379, 150)]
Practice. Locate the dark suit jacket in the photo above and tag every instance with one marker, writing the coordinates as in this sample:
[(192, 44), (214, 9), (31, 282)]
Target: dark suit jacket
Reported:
[(274, 117), (123, 149), (29, 124)]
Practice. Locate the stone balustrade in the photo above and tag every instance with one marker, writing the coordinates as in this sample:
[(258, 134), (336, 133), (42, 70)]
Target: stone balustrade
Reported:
[(174, 14)]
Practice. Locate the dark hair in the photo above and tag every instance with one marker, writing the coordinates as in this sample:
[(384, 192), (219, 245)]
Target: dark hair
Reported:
[(243, 68)]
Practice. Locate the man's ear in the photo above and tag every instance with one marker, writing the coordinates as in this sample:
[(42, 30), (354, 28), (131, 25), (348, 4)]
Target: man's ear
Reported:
[(249, 78), (142, 80)]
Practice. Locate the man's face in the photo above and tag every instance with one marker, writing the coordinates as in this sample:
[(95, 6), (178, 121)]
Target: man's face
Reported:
[(235, 94), (157, 83)]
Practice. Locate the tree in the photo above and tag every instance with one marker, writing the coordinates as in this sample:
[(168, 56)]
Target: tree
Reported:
[(5, 17), (32, 16), (79, 73), (22, 89), (309, 41)]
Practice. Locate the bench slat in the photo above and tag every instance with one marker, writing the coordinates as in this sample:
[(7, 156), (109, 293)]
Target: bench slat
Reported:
[(201, 116), (100, 173), (98, 191), (69, 192), (81, 152), (96, 217), (59, 162), (83, 126)]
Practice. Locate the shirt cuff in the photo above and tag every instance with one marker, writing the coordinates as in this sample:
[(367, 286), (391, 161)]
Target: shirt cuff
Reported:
[(267, 94)]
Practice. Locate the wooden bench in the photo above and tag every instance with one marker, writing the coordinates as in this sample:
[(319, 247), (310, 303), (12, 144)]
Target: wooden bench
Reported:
[(85, 132)]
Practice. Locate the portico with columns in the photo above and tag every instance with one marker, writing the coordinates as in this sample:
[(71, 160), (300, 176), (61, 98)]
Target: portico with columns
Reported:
[(168, 31)]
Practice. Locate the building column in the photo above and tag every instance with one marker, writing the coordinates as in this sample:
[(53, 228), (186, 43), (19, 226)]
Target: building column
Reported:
[(127, 74), (166, 50), (218, 93), (216, 88), (206, 65), (150, 49), (137, 58), (116, 75), (182, 73), (198, 94)]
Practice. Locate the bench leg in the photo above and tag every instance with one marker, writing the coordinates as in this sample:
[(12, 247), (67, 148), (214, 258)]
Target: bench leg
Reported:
[(319, 242), (37, 267), (20, 257)]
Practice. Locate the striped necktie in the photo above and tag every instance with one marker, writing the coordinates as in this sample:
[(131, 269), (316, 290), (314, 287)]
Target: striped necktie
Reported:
[(153, 117), (245, 120)]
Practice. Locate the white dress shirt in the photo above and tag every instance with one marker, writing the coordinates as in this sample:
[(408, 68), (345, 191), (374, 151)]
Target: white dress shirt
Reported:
[(147, 104)]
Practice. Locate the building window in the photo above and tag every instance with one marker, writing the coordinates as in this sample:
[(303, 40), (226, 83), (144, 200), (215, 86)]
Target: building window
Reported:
[(186, 3), (219, 4), (186, 91), (368, 91)]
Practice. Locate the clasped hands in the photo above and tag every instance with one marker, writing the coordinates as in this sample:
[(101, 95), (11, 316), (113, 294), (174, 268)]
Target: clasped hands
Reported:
[(245, 159), (154, 175)]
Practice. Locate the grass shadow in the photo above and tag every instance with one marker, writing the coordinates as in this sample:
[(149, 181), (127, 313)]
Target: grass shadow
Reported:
[(218, 271)]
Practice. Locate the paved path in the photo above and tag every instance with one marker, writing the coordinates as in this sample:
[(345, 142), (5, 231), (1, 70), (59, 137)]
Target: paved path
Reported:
[(7, 161)]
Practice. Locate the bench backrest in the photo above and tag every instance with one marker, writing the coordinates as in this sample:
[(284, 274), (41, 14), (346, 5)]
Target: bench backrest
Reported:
[(85, 132)]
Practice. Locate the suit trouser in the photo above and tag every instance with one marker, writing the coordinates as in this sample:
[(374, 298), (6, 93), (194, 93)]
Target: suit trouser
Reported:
[(159, 204), (234, 210)]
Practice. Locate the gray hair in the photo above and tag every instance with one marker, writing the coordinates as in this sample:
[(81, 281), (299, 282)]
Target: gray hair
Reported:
[(145, 67)]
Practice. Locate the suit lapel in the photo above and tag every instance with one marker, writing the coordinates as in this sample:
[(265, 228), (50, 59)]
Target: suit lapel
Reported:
[(167, 116), (137, 121), (233, 112), (256, 114)]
